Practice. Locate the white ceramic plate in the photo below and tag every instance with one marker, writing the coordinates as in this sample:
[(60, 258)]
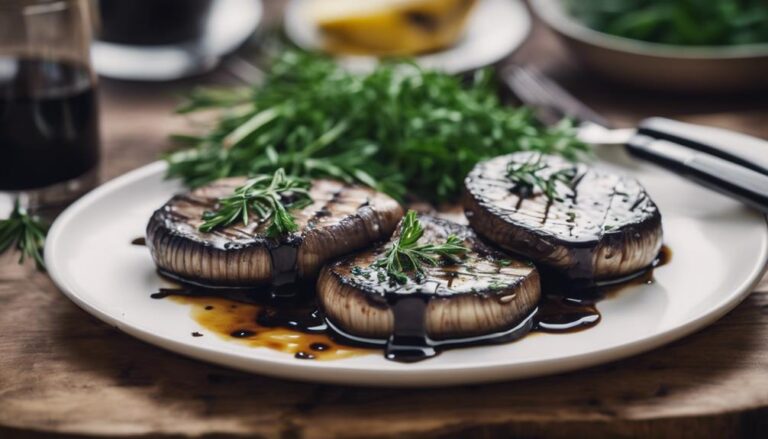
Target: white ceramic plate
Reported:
[(494, 30), (719, 252), (230, 24)]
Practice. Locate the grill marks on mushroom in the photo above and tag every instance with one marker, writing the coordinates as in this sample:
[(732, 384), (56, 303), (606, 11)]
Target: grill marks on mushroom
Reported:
[(604, 227), (488, 294), (342, 218)]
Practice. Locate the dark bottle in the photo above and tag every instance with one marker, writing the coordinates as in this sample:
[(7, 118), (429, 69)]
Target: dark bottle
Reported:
[(151, 22), (48, 122)]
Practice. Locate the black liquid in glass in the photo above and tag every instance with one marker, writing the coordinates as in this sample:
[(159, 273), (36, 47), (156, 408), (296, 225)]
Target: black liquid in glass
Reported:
[(48, 122)]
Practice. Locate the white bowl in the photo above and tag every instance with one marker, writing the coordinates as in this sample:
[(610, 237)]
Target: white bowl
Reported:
[(658, 66)]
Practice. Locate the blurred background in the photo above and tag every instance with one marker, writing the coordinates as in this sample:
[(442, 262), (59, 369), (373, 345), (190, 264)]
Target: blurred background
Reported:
[(646, 67), (692, 60)]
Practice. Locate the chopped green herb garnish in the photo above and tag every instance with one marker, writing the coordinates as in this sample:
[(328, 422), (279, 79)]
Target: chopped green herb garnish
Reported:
[(266, 196), (407, 255), (25, 233), (497, 284), (398, 129), (529, 175)]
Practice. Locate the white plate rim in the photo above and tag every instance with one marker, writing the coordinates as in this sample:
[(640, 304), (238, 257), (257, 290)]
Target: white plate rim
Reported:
[(438, 374)]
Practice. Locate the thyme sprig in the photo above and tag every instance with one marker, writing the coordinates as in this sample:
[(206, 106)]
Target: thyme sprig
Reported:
[(25, 233), (407, 255), (529, 175), (265, 196)]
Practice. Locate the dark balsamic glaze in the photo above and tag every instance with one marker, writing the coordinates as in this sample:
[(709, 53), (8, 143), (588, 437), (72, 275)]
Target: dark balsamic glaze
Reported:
[(565, 314), (319, 347), (665, 256), (242, 333), (561, 310), (284, 264), (409, 341), (289, 324), (555, 280), (565, 307)]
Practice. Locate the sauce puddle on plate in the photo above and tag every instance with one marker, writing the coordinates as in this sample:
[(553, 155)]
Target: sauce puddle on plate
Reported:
[(296, 331), (291, 323), (280, 317)]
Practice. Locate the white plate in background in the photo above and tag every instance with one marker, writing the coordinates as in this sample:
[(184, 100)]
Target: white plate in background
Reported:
[(494, 30)]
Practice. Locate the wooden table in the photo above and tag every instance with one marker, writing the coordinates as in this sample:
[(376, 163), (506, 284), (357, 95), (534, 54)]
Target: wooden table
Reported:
[(62, 372)]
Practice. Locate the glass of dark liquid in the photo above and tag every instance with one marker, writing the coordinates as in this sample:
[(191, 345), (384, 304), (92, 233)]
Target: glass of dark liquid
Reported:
[(49, 133)]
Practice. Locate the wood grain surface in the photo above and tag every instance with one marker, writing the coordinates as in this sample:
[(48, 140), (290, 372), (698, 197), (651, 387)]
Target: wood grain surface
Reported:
[(64, 373)]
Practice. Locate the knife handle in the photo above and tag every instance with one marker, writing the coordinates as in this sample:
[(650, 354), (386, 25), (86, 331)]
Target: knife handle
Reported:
[(716, 173), (737, 148)]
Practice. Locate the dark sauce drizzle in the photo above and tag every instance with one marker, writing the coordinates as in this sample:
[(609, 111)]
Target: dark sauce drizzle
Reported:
[(410, 343), (295, 309)]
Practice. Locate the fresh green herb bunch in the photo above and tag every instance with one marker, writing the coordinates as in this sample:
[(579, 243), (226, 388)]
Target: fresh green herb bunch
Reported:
[(25, 233), (407, 255), (396, 126), (529, 175), (268, 197), (679, 22)]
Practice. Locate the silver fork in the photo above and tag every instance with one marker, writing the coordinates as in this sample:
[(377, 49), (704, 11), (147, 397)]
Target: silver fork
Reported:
[(552, 103)]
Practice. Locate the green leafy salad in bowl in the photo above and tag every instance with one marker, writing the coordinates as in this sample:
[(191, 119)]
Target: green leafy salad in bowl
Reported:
[(688, 46), (677, 22)]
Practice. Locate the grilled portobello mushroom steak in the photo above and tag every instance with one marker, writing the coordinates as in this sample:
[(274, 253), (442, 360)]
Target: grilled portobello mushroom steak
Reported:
[(488, 296), (342, 218), (600, 226)]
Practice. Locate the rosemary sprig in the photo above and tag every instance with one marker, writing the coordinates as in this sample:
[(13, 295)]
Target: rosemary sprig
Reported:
[(407, 255), (24, 232), (267, 197), (528, 175), (399, 129)]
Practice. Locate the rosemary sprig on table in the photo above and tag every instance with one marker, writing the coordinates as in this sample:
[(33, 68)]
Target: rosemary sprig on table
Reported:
[(25, 233), (267, 197), (407, 255), (398, 129), (528, 175)]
